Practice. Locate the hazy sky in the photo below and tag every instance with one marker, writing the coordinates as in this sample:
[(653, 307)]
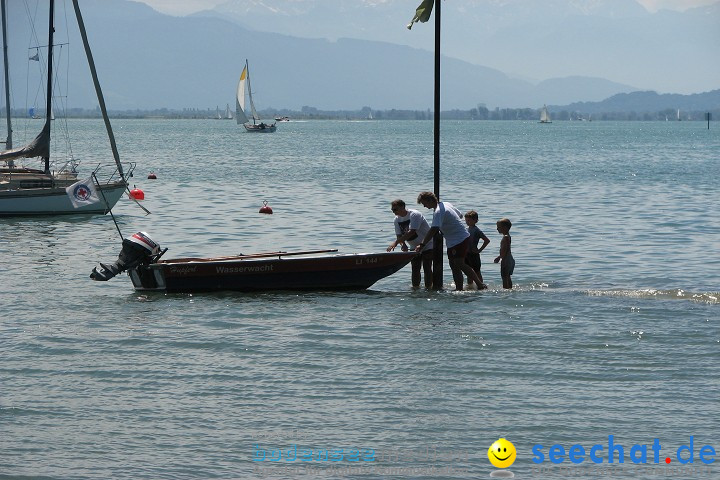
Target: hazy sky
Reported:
[(184, 7)]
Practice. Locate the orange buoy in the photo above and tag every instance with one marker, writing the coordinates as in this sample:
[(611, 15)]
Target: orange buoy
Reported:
[(152, 176), (137, 194), (265, 208)]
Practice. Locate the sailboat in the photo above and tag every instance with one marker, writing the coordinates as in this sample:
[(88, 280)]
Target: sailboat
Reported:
[(31, 191), (227, 116), (257, 125), (544, 115)]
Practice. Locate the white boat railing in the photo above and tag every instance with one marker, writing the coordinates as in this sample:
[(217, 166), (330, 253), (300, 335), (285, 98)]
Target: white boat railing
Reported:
[(109, 173)]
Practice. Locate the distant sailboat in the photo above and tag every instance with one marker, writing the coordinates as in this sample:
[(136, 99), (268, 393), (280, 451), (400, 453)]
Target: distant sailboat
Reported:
[(544, 115), (240, 115), (678, 115), (228, 113)]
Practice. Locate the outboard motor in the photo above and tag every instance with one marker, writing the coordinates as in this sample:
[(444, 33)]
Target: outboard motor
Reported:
[(137, 249)]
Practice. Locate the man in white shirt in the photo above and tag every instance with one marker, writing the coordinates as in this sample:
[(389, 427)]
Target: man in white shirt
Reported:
[(410, 227), (448, 220)]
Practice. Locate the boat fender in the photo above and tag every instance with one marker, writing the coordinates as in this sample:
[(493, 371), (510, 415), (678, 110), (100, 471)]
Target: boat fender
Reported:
[(266, 208), (137, 194)]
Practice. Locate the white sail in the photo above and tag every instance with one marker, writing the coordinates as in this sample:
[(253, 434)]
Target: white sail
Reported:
[(544, 115), (240, 98), (228, 113), (255, 115)]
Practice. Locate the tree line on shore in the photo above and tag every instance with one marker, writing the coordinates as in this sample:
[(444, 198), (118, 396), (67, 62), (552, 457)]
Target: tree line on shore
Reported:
[(367, 113)]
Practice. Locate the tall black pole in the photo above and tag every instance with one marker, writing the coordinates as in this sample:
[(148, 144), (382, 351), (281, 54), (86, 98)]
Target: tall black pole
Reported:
[(438, 240), (48, 108)]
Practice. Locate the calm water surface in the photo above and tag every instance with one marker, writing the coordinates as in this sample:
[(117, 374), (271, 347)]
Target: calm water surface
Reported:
[(612, 327)]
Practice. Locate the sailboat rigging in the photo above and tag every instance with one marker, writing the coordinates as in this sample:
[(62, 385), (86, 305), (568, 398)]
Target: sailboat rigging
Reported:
[(28, 191), (257, 124)]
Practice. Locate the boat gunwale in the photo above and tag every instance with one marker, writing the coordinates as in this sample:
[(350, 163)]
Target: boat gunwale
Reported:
[(272, 257)]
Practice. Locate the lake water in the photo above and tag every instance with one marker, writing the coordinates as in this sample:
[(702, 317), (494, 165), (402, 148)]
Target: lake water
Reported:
[(612, 328)]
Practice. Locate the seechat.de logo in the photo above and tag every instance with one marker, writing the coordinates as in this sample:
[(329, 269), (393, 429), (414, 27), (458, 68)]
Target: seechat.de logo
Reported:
[(612, 452)]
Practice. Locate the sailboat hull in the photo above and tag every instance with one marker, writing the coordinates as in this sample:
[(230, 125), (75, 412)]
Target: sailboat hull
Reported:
[(54, 201), (259, 128)]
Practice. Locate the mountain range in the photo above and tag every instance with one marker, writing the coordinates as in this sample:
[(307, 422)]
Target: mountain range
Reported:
[(643, 102), (149, 60), (618, 40)]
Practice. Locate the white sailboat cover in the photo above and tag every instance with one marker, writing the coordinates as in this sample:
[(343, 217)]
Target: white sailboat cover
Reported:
[(240, 116)]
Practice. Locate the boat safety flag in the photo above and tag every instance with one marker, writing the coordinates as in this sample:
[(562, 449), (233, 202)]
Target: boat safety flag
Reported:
[(83, 193)]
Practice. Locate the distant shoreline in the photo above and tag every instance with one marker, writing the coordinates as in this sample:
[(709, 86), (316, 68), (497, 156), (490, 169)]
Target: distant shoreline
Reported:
[(525, 114)]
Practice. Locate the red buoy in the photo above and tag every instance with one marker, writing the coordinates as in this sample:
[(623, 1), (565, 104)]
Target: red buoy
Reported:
[(152, 176), (265, 208), (137, 194)]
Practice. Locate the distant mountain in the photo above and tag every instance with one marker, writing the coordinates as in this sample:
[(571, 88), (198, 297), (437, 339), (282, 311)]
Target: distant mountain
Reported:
[(641, 102), (147, 60), (614, 39), (577, 87)]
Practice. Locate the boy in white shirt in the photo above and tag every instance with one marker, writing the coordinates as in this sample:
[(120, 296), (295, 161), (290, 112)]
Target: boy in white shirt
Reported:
[(410, 227)]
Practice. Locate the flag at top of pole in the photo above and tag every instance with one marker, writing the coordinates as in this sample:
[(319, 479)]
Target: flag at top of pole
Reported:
[(422, 13)]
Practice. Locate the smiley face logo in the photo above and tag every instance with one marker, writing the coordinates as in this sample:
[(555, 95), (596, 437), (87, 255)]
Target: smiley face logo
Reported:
[(502, 453)]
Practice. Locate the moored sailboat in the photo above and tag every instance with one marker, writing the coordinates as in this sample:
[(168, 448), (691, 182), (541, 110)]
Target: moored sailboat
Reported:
[(257, 124), (31, 191)]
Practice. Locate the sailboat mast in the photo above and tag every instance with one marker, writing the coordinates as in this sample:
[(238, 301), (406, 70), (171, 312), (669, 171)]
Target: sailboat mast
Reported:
[(8, 141), (48, 108), (98, 91), (249, 89)]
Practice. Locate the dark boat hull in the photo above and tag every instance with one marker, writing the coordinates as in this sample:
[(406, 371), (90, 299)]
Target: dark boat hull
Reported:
[(332, 272), (260, 128)]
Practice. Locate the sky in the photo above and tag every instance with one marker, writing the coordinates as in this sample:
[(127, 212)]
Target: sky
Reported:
[(186, 7)]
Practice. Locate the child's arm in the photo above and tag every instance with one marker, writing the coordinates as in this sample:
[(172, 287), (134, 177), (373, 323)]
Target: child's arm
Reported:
[(485, 240), (504, 247)]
